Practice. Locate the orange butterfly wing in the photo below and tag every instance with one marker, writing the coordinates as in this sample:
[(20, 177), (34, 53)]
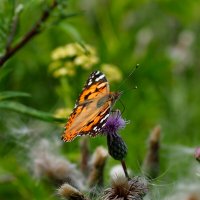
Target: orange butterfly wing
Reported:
[(91, 109)]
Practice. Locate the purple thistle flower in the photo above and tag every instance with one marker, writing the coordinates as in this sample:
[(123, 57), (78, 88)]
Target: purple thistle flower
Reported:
[(116, 146), (114, 123)]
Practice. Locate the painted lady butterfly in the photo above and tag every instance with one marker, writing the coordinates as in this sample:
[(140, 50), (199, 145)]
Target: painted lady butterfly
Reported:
[(92, 108)]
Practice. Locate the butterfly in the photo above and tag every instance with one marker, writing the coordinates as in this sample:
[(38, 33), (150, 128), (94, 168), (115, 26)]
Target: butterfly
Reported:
[(92, 108)]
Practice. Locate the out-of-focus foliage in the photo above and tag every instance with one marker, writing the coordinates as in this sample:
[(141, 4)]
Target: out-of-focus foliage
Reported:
[(6, 103), (112, 36)]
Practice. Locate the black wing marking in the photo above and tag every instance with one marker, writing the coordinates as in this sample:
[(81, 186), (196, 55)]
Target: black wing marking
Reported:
[(94, 78), (95, 127)]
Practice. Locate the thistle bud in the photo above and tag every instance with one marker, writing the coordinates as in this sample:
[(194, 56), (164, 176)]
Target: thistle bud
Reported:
[(116, 146)]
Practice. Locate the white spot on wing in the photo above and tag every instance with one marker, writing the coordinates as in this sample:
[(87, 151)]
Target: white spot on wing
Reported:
[(100, 77), (97, 72), (95, 128), (90, 82), (103, 119)]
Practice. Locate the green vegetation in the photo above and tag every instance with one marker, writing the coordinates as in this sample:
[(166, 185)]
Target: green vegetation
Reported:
[(48, 48)]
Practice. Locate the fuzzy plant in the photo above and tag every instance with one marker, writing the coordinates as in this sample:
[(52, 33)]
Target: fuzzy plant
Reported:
[(92, 167), (151, 162)]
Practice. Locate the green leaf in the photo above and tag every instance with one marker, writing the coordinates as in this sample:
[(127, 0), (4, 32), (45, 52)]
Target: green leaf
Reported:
[(72, 31), (12, 94), (4, 72), (18, 107), (64, 15)]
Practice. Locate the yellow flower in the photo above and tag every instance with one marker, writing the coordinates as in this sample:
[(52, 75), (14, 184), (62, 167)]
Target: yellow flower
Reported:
[(55, 65), (59, 53), (73, 49), (90, 62), (112, 72), (68, 64), (63, 112), (66, 58), (80, 60), (89, 50), (85, 61), (63, 72)]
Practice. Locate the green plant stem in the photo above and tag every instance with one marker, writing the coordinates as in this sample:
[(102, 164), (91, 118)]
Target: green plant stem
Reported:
[(125, 169), (20, 108), (35, 30)]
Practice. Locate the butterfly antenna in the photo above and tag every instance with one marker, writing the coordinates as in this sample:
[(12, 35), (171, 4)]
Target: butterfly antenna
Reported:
[(134, 88), (122, 106), (130, 74)]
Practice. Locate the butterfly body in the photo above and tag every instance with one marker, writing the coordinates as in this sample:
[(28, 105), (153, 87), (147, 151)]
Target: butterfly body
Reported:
[(91, 109)]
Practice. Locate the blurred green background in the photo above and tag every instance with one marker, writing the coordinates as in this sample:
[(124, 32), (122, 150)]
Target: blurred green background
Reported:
[(162, 36)]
